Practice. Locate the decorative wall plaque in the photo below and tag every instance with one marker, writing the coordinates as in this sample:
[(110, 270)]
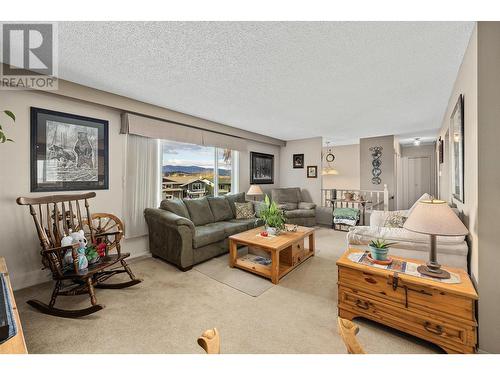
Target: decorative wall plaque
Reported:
[(376, 164)]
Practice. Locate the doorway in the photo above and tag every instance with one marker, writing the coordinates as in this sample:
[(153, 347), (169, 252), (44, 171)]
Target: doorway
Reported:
[(419, 178)]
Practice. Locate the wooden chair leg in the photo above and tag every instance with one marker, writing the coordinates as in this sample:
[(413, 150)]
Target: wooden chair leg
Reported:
[(55, 293), (51, 310), (133, 280), (90, 287), (128, 270)]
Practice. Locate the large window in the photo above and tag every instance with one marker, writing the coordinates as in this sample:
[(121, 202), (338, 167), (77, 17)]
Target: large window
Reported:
[(194, 171)]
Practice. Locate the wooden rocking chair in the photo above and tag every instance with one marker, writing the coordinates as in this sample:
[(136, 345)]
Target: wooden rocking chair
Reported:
[(54, 217), (210, 341), (348, 331)]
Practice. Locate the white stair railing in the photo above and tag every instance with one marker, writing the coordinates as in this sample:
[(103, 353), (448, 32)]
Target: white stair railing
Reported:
[(377, 199)]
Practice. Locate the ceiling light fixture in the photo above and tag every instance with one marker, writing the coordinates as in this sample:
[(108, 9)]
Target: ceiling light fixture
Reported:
[(416, 142)]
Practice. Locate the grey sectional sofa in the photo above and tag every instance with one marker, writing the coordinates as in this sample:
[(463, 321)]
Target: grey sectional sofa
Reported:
[(190, 231), (296, 210)]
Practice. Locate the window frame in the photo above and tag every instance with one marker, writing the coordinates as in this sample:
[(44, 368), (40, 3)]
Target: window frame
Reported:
[(234, 168)]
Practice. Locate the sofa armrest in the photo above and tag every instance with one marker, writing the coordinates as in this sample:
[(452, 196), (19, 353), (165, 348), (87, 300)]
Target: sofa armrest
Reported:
[(170, 236), (168, 218)]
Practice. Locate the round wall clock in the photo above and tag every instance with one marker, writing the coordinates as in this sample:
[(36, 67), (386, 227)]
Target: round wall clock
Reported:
[(330, 157)]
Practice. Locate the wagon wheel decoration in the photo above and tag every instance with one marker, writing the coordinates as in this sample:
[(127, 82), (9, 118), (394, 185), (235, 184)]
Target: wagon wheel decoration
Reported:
[(105, 223)]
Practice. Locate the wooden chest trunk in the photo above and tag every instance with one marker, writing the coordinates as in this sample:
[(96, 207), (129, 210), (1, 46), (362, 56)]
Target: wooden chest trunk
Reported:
[(438, 312)]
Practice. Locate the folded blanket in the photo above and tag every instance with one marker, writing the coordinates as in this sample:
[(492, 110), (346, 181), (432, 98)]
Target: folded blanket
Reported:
[(346, 213), (339, 220)]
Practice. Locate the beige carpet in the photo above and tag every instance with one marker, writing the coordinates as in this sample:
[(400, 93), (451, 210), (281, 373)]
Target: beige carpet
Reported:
[(218, 269), (168, 311)]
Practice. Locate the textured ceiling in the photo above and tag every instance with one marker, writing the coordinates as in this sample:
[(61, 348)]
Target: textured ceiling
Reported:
[(289, 80)]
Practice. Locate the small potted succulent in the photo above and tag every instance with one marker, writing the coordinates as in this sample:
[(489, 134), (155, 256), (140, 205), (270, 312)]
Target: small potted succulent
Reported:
[(379, 248), (273, 217)]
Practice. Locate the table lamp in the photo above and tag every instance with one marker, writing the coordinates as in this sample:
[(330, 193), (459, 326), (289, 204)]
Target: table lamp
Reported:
[(254, 191), (435, 218)]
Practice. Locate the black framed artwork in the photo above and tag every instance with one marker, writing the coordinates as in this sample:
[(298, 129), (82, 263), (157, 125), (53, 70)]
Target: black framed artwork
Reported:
[(441, 150), (312, 171), (298, 160), (458, 149), (261, 168), (68, 152)]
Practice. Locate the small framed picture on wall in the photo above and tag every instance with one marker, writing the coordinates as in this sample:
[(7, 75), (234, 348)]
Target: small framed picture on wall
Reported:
[(312, 171), (298, 160)]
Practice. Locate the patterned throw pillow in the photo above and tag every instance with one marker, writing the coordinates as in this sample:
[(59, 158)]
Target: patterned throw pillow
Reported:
[(395, 219), (244, 210)]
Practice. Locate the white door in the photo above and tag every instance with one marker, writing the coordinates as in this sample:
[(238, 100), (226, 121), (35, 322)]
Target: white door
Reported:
[(418, 178)]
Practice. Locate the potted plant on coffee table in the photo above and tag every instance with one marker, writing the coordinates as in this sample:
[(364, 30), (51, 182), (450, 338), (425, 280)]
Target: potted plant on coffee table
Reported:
[(379, 248), (273, 217)]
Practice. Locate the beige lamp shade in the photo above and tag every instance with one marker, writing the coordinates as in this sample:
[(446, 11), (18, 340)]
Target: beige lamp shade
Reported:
[(435, 217), (255, 190), (329, 172)]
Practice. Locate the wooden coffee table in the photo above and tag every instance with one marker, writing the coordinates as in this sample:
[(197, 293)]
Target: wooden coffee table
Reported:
[(287, 251)]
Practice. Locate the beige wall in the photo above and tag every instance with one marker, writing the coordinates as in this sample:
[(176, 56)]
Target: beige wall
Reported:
[(292, 177), (20, 245), (347, 164), (388, 166), (478, 80), (488, 184), (466, 84)]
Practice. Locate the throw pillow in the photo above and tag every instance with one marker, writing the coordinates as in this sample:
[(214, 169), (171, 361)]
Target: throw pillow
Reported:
[(287, 206), (199, 211), (258, 206), (232, 198), (395, 219), (221, 209), (306, 206), (244, 210), (176, 206)]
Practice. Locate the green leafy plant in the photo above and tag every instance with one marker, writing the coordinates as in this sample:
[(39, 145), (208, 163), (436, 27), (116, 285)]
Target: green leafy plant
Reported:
[(272, 215), (3, 137), (381, 243)]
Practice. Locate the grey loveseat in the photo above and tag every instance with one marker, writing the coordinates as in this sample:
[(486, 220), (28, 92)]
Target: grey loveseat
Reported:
[(293, 204), (190, 231)]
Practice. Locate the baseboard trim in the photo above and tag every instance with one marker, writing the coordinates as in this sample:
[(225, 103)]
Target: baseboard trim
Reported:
[(38, 277), (140, 256)]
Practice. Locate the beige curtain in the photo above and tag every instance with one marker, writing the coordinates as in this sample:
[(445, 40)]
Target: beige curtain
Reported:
[(158, 129), (142, 182)]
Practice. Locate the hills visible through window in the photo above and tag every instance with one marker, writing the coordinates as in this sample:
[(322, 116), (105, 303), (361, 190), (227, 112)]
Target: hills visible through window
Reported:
[(194, 171)]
